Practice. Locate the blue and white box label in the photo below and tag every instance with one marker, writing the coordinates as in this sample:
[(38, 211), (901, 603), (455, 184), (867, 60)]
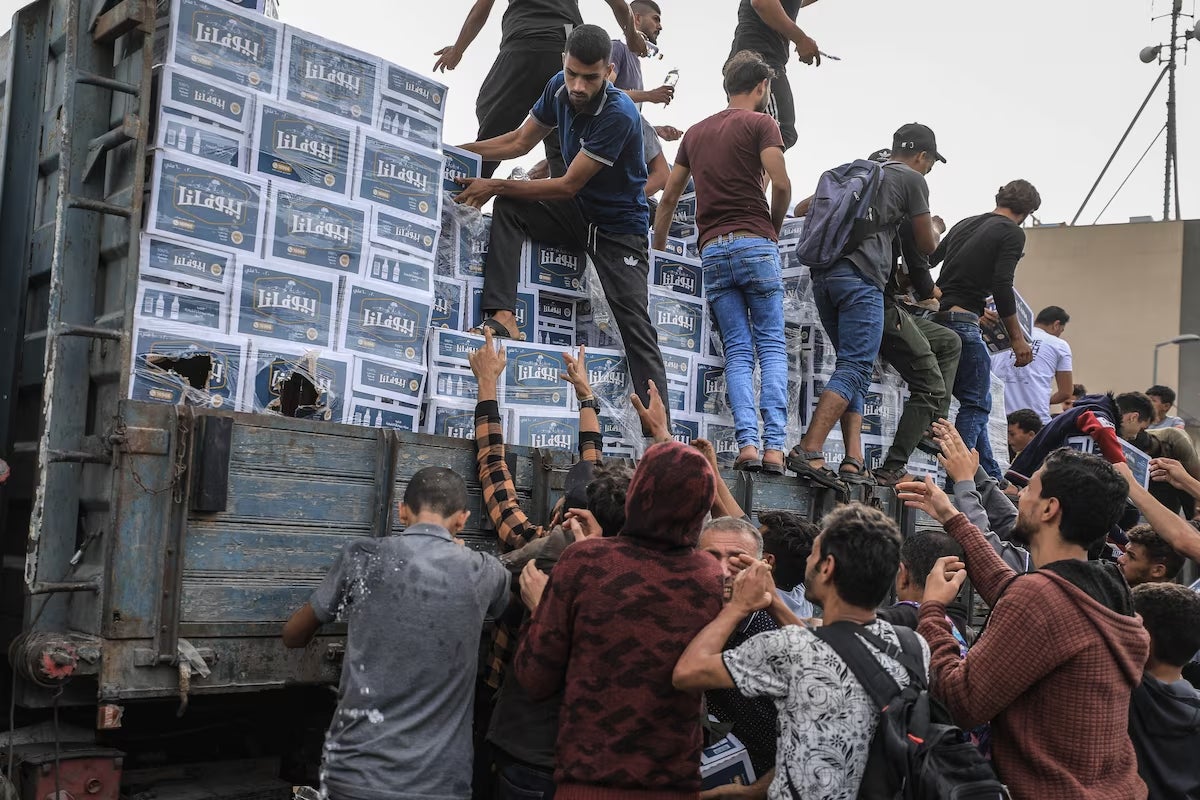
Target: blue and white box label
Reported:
[(204, 203), (175, 260), (401, 176), (308, 228), (226, 43), (296, 145), (385, 322), (329, 77), (287, 303)]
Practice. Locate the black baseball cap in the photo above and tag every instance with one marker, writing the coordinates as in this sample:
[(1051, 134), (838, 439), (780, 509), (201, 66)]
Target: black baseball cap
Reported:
[(914, 138)]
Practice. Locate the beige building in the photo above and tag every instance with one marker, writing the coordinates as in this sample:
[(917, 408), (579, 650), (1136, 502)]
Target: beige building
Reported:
[(1126, 287)]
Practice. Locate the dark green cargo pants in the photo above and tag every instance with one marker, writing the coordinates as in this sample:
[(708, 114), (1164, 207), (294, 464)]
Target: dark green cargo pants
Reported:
[(926, 356)]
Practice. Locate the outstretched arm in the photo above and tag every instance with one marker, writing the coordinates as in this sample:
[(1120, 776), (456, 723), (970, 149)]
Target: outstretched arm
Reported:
[(477, 17)]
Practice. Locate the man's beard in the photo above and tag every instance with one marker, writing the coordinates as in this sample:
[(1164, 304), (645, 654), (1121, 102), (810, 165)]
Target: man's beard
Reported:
[(588, 103), (1023, 531), (764, 104)]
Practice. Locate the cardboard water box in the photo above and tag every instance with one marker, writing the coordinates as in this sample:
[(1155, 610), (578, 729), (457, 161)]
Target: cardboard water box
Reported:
[(680, 365), (559, 269), (463, 250), (678, 320), (458, 163), (534, 377), (449, 348), (995, 335), (685, 427), (370, 413), (677, 397), (455, 420), (683, 225), (170, 304), (555, 312), (405, 122), (710, 392), (399, 383), (177, 260), (398, 269), (186, 94), (400, 175), (613, 434), (178, 364), (385, 322), (608, 375), (684, 248), (202, 140), (555, 337), (453, 383), (329, 77), (315, 229), (677, 273), (414, 90), (1138, 461), (295, 382), (547, 431), (287, 303), (525, 310), (396, 231), (726, 762), (226, 43), (448, 304), (296, 145), (881, 411), (206, 204), (723, 436), (790, 233)]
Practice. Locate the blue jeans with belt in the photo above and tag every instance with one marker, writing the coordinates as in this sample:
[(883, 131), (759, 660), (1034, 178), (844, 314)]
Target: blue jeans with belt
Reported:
[(744, 283), (851, 311), (973, 389)]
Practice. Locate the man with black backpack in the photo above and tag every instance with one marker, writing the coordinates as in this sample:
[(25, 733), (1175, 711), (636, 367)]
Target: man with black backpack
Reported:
[(847, 244)]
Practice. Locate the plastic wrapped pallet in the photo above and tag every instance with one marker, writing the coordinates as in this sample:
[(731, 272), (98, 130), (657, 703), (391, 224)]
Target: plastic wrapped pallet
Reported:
[(207, 204), (228, 44), (295, 382), (181, 365), (291, 144)]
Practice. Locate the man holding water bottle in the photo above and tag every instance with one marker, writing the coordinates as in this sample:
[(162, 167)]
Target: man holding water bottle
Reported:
[(647, 18)]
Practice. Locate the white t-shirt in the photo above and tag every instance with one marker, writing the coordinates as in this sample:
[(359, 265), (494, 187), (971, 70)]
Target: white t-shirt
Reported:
[(1030, 386), (826, 720)]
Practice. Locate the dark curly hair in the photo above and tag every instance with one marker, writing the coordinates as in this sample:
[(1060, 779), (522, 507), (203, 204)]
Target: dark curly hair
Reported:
[(1090, 493), (1157, 549), (865, 546), (788, 536), (1019, 197), (1171, 614), (606, 495)]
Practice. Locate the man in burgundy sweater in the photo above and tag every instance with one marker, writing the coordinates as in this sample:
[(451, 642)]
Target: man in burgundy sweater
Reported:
[(1063, 649), (615, 617)]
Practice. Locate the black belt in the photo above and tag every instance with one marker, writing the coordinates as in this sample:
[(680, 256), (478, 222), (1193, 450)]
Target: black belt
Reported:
[(956, 316)]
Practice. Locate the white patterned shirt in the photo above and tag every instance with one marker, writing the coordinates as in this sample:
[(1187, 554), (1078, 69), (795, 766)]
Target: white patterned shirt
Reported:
[(826, 720)]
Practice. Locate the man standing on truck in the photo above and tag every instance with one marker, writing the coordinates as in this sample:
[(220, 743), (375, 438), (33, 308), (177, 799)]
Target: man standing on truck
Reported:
[(533, 35), (402, 727)]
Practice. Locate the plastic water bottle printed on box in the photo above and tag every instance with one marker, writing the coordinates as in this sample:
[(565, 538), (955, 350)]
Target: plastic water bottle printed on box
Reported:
[(405, 384), (554, 337), (678, 321), (399, 269), (221, 146), (404, 233), (447, 304), (174, 260), (162, 303), (190, 94), (385, 322), (458, 164), (400, 175), (206, 204), (534, 377), (329, 77), (308, 228), (415, 90), (294, 144), (374, 414), (560, 269), (453, 383), (405, 122), (473, 250), (523, 310), (676, 273), (224, 42), (546, 432), (288, 303), (296, 383), (179, 365)]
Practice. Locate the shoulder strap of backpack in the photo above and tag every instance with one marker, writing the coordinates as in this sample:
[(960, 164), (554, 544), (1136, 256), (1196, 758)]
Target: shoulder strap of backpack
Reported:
[(843, 637)]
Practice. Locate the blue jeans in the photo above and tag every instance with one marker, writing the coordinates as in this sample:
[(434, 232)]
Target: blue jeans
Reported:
[(851, 311), (973, 389), (519, 782), (744, 284)]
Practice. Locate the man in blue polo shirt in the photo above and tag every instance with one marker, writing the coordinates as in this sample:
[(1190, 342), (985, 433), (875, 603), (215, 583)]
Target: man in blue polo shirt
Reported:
[(599, 204)]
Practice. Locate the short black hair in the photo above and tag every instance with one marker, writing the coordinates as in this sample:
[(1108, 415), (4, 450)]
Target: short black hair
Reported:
[(1026, 419), (590, 44), (1135, 403), (436, 489), (1157, 549), (921, 551), (865, 546), (644, 7), (1171, 614), (1165, 394), (606, 495), (1019, 197), (1078, 390), (1090, 493), (1052, 314), (789, 537), (745, 70)]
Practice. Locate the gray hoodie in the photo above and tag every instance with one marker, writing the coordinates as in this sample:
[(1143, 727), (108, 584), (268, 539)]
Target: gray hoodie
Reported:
[(1164, 724)]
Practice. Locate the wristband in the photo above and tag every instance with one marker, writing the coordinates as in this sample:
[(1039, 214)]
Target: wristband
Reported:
[(590, 402)]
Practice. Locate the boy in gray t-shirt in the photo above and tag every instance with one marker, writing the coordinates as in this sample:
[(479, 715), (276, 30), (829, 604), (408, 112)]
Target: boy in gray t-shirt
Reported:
[(415, 605)]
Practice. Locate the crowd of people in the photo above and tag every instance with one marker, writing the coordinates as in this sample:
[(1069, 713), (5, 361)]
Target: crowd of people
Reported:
[(651, 616)]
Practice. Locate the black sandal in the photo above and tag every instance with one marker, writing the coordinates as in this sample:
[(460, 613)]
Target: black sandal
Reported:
[(499, 331), (861, 476), (797, 462)]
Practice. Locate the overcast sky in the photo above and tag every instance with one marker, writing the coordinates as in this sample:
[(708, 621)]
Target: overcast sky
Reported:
[(1037, 89)]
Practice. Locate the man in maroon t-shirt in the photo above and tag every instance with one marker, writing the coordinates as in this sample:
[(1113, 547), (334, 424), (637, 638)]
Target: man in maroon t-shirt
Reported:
[(730, 155)]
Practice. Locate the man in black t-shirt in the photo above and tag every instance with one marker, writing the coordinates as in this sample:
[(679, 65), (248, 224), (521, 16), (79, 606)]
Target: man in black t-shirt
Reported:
[(981, 255), (770, 31), (533, 38)]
